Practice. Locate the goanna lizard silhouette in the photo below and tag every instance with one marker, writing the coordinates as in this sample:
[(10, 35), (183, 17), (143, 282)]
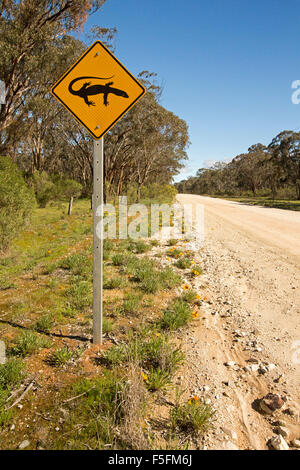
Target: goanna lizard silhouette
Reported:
[(88, 90)]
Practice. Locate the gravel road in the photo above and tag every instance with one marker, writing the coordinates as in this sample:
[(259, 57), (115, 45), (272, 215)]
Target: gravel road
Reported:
[(251, 259)]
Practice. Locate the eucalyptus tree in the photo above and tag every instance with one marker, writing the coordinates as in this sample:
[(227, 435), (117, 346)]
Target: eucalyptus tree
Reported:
[(285, 149), (28, 29)]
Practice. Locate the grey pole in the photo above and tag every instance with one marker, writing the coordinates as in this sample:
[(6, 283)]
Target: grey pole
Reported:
[(98, 241)]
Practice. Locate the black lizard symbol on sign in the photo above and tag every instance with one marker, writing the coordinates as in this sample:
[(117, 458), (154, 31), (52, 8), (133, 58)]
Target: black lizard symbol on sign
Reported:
[(88, 90)]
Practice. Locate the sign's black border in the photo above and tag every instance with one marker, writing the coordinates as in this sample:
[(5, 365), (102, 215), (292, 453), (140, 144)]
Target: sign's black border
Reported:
[(73, 66)]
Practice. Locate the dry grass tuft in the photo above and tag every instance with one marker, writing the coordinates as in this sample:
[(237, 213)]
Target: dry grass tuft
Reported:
[(131, 431)]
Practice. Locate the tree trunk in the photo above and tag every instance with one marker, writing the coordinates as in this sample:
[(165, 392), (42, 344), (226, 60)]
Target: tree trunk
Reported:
[(139, 193), (298, 189), (70, 206)]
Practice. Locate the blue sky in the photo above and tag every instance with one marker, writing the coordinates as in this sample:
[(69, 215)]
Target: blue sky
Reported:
[(226, 66)]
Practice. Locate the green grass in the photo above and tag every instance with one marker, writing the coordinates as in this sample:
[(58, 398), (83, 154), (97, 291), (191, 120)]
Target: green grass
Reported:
[(153, 354), (131, 303), (172, 242), (158, 379), (178, 314), (152, 279), (80, 295), (28, 343), (61, 247), (78, 264), (139, 247), (169, 279), (189, 296), (11, 374), (107, 325), (197, 270), (61, 357), (99, 410), (183, 263), (119, 259), (44, 324), (113, 283), (48, 239), (191, 416)]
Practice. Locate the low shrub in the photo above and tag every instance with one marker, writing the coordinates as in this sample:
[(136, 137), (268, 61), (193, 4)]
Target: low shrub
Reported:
[(29, 342), (177, 315), (157, 379), (183, 263), (194, 415), (61, 357), (44, 324), (16, 202), (197, 270), (113, 283)]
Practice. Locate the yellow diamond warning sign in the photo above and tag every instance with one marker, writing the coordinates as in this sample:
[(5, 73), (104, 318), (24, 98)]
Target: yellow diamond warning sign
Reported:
[(98, 90)]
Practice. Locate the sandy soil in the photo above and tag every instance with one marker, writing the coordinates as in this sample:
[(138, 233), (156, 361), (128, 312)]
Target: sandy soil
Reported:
[(251, 259)]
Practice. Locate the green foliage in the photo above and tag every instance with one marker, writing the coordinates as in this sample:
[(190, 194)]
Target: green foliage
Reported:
[(139, 247), (29, 342), (183, 263), (79, 264), (119, 259), (61, 356), (159, 193), (68, 311), (189, 296), (172, 242), (177, 315), (102, 395), (44, 188), (55, 188), (191, 416), (113, 283), (11, 373), (169, 279), (80, 294), (65, 188), (16, 202), (107, 325), (116, 355), (158, 379), (151, 279), (108, 245), (159, 353), (150, 353), (268, 172), (131, 303), (44, 324), (197, 269), (5, 415)]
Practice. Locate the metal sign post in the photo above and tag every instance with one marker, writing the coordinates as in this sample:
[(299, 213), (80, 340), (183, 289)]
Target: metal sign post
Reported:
[(98, 241), (98, 90)]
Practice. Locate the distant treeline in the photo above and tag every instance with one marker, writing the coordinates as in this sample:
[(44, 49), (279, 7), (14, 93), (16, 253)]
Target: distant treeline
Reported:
[(37, 45), (272, 171)]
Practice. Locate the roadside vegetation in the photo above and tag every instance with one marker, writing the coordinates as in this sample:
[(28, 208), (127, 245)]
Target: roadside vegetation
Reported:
[(268, 176), (78, 396), (71, 394)]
